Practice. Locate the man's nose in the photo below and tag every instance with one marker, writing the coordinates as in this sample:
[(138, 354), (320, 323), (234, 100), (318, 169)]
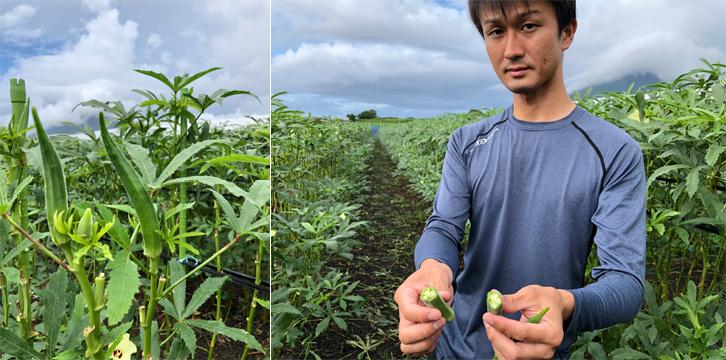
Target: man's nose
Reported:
[(513, 49)]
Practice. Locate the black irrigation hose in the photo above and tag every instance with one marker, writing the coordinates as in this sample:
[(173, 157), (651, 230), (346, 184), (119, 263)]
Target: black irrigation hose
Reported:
[(235, 277)]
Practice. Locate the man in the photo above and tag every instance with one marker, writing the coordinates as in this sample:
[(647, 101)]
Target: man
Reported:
[(540, 183)]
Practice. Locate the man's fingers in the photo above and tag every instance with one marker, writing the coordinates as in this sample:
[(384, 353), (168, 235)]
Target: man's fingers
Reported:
[(521, 331), (410, 333), (506, 348), (422, 347), (410, 308)]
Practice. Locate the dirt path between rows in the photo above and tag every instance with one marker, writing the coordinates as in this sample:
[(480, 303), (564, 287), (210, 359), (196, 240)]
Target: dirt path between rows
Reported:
[(396, 216)]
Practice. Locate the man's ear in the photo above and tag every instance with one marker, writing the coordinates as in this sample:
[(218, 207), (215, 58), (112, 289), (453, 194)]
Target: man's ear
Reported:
[(568, 35)]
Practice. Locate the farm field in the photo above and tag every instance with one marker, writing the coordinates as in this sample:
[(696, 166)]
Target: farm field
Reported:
[(349, 206), (150, 236)]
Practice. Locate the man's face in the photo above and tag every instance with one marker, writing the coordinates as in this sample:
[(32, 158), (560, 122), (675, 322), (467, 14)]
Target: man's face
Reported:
[(525, 49)]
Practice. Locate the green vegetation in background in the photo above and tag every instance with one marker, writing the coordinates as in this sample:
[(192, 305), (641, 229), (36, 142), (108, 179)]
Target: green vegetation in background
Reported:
[(318, 165)]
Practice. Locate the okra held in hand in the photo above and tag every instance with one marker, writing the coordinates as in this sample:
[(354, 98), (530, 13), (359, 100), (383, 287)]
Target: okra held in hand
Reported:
[(431, 298)]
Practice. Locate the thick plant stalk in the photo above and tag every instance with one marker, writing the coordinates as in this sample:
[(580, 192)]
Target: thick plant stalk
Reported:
[(431, 298), (182, 188), (218, 261), (258, 281), (19, 121)]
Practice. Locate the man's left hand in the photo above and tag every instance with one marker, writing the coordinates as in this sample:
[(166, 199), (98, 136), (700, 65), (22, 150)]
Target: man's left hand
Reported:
[(513, 339)]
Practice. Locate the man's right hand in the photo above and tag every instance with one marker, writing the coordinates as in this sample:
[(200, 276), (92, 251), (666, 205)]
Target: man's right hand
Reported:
[(419, 327)]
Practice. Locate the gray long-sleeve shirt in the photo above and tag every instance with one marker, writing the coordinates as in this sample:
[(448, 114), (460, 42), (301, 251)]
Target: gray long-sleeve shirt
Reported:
[(538, 195)]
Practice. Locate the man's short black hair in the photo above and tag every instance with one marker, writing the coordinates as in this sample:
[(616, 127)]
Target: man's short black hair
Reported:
[(565, 10)]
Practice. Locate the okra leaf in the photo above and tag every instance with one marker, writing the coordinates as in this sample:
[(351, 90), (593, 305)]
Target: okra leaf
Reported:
[(74, 330), (15, 251), (322, 326), (187, 334), (229, 213), (663, 171), (140, 156), (218, 327), (188, 80), (180, 159), (19, 189), (259, 192), (285, 308), (117, 332), (54, 299), (692, 182), (210, 181), (208, 287), (242, 158), (157, 76), (179, 293), (169, 308), (713, 152), (123, 284), (14, 345), (155, 347), (177, 209), (178, 351), (123, 208)]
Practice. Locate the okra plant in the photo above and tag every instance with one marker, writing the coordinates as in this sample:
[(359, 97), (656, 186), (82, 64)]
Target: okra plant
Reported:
[(122, 228)]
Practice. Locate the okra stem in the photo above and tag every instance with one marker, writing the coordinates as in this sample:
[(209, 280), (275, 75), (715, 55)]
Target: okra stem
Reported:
[(431, 298), (36, 243), (537, 317)]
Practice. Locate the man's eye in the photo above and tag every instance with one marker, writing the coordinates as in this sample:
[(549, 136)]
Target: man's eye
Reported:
[(529, 27), (495, 32)]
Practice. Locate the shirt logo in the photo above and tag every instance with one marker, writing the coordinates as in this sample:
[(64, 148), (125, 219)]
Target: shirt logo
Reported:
[(482, 141)]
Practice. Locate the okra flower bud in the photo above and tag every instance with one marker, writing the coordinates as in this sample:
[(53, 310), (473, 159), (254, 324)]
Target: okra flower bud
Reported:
[(431, 298), (85, 226), (62, 227)]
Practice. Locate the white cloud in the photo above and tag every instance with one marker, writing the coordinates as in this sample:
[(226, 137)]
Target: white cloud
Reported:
[(12, 27), (98, 6), (16, 15), (154, 40), (417, 55), (94, 67), (96, 61)]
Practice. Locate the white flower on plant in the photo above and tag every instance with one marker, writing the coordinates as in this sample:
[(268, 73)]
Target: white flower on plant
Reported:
[(124, 349)]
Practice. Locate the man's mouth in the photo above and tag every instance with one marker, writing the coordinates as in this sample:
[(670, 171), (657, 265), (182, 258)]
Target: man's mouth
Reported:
[(517, 71)]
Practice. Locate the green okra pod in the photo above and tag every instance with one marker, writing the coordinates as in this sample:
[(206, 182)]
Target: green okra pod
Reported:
[(495, 300), (431, 298), (56, 196), (138, 195), (538, 316)]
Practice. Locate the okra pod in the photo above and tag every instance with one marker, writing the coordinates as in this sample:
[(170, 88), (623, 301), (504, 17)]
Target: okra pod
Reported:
[(431, 298), (56, 196), (494, 302), (138, 195)]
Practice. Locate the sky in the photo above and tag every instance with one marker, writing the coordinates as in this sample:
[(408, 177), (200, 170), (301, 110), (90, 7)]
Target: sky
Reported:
[(424, 58), (69, 51)]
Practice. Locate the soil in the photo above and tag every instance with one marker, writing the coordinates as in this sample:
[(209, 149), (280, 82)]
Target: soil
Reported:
[(396, 216)]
